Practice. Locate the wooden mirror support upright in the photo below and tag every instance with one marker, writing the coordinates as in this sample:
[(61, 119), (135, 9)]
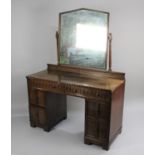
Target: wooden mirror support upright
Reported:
[(57, 42), (102, 90), (110, 51)]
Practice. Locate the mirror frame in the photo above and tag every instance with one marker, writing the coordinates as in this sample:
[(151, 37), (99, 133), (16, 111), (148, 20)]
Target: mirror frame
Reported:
[(58, 36)]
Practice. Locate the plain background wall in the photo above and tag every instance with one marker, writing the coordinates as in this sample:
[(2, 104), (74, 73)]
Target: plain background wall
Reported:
[(34, 23)]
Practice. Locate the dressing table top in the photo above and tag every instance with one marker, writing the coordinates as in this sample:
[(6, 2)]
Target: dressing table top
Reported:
[(105, 83)]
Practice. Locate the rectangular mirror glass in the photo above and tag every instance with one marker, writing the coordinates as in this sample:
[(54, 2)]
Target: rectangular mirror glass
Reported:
[(83, 36)]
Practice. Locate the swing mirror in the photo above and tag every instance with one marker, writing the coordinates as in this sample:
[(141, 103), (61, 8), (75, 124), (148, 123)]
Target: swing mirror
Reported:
[(83, 38)]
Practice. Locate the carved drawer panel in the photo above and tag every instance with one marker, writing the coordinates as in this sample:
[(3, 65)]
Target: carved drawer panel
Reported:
[(97, 119), (103, 129), (104, 110), (41, 98), (71, 89), (32, 96), (42, 118), (97, 109), (33, 114), (47, 85), (91, 128), (97, 128), (57, 87), (92, 109), (38, 115), (37, 97)]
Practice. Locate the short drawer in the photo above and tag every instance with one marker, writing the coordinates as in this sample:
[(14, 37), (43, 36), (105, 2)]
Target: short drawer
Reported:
[(91, 128), (104, 111), (38, 115), (97, 110), (92, 109), (103, 128), (41, 98)]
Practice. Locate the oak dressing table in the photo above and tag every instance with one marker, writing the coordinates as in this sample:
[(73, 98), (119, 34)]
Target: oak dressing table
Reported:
[(102, 90)]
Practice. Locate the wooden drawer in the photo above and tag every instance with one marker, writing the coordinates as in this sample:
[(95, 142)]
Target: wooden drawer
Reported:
[(104, 111), (92, 109), (42, 117), (97, 128), (33, 114), (41, 98), (38, 116), (33, 96), (37, 97), (103, 128), (91, 128), (97, 110)]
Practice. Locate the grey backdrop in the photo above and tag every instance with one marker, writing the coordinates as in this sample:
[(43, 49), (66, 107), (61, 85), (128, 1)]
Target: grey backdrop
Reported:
[(34, 23)]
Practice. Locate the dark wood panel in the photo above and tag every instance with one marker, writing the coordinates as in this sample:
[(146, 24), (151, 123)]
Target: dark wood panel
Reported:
[(38, 116), (103, 129), (41, 98), (91, 128), (42, 117), (97, 122), (117, 110), (33, 116), (104, 110), (92, 109), (56, 108)]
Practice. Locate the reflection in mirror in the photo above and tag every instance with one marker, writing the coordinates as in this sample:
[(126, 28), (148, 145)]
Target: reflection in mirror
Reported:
[(84, 41), (83, 38)]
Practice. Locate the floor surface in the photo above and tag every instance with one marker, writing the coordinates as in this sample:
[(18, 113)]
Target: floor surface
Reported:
[(67, 137)]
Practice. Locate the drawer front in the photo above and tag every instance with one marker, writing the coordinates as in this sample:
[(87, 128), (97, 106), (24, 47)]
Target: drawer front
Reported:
[(96, 128), (92, 109), (48, 85), (71, 89), (38, 115), (41, 98), (91, 128), (37, 98), (99, 110), (33, 114), (33, 96), (103, 129), (104, 111), (97, 120), (42, 117)]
